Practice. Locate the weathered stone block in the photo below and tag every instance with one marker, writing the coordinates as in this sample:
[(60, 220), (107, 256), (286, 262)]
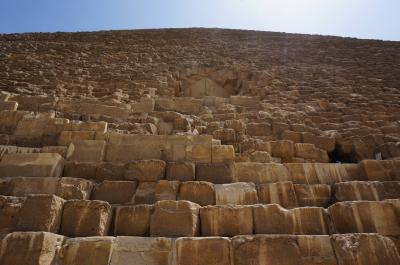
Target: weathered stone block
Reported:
[(240, 193), (226, 220), (373, 170), (110, 171), (31, 165), (30, 248), (146, 170), (282, 193), (215, 173), (74, 188), (74, 169), (67, 137), (86, 151), (22, 186), (200, 192), (10, 208), (330, 173), (222, 154), (41, 213), (260, 172), (302, 173), (311, 153), (85, 218), (142, 251), (316, 250), (310, 221), (202, 251), (181, 171), (272, 219), (175, 218), (318, 195), (166, 190), (133, 220), (115, 192), (145, 193), (259, 129)]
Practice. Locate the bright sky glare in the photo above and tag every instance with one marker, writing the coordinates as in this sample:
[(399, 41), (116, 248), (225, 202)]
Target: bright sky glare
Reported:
[(372, 19)]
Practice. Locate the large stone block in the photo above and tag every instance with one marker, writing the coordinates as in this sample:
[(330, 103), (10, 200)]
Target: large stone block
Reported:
[(110, 171), (365, 217), (146, 193), (323, 142), (261, 172), (87, 251), (10, 208), (200, 192), (222, 154), (167, 190), (318, 195), (310, 153), (74, 169), (142, 251), (240, 193), (175, 218), (373, 170), (22, 186), (330, 173), (202, 251), (86, 151), (283, 149), (146, 170), (360, 249), (115, 192), (302, 173), (133, 220), (272, 219), (67, 137), (282, 193), (226, 220), (310, 221), (259, 129), (266, 249), (41, 213), (85, 218), (215, 173), (316, 250), (30, 248), (181, 171), (31, 165), (74, 188)]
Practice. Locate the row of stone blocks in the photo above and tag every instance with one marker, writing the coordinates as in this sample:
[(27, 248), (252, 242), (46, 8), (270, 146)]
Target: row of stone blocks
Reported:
[(285, 193), (52, 165), (43, 248), (75, 218)]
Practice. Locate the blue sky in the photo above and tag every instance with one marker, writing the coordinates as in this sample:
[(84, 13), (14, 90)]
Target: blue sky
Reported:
[(372, 19)]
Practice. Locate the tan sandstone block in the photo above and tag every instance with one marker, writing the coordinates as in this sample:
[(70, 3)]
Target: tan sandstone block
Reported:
[(87, 251), (133, 220), (146, 170), (316, 250), (310, 152), (226, 220), (175, 218), (41, 213), (86, 151), (30, 248), (85, 218), (167, 190), (328, 173), (75, 169), (302, 173), (373, 170), (74, 188), (215, 173), (31, 165), (282, 193), (200, 192), (202, 251), (222, 154), (67, 137), (318, 195), (266, 249), (22, 186), (260, 172), (181, 171), (272, 219), (361, 249), (10, 207), (310, 221), (145, 193), (239, 193), (114, 192)]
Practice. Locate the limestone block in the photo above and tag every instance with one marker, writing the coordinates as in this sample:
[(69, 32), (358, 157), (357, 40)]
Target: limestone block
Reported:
[(41, 213), (323, 142), (224, 220), (215, 173), (200, 192), (145, 105), (245, 101), (259, 129), (302, 173), (282, 193), (142, 251), (360, 249), (318, 195), (22, 186), (31, 165), (110, 171), (272, 219), (359, 191), (133, 220), (240, 193), (145, 193), (30, 248), (330, 173), (8, 105), (226, 135), (353, 171), (260, 172), (316, 250), (310, 152), (202, 251), (181, 171), (10, 208), (373, 170), (99, 127), (146, 170), (295, 137), (61, 150), (175, 218), (74, 169), (85, 218), (282, 148), (310, 221), (167, 190), (9, 120), (86, 151), (74, 188), (365, 217), (266, 249), (87, 250), (115, 192), (67, 137), (222, 154)]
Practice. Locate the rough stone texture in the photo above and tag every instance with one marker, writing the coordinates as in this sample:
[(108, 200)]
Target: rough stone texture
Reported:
[(133, 220), (282, 193), (115, 192), (226, 220), (202, 251), (31, 165), (175, 218), (146, 193), (86, 151), (146, 170), (215, 173), (167, 190), (200, 192), (10, 208), (74, 188), (88, 251), (318, 195), (367, 190), (261, 172), (316, 250), (142, 251), (30, 248), (41, 213), (239, 193), (85, 218), (182, 171)]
